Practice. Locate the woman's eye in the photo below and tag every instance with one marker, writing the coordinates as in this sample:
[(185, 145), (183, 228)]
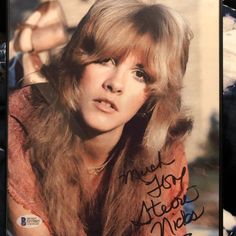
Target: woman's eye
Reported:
[(141, 76), (108, 61)]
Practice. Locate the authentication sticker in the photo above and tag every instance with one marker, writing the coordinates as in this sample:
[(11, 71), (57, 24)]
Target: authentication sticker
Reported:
[(29, 221)]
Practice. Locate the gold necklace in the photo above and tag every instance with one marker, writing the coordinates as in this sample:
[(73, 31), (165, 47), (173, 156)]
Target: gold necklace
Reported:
[(98, 169)]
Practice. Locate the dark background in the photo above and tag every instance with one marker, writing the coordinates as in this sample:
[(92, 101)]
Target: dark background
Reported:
[(230, 3), (3, 15)]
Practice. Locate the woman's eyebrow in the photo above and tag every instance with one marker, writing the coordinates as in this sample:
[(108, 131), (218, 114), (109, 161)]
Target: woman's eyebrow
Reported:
[(141, 66)]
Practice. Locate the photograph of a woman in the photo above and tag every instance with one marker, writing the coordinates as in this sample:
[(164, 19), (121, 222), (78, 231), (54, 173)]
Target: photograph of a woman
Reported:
[(98, 149)]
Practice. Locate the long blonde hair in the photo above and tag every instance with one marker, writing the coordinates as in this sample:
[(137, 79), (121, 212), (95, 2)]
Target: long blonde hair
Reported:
[(160, 36)]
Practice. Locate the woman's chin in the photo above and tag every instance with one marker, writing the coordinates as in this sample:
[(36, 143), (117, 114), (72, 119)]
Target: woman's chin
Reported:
[(92, 125), (103, 127)]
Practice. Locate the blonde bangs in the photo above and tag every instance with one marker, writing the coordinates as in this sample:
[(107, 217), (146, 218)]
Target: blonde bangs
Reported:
[(122, 40), (162, 49)]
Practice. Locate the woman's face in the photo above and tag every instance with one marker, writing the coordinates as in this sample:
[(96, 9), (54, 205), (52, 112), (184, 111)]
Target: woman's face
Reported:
[(111, 92)]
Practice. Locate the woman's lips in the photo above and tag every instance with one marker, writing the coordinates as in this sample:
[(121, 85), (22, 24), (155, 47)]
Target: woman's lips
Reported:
[(105, 105)]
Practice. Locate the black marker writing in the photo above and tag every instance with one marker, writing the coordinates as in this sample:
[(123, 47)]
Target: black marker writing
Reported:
[(166, 183), (174, 225), (160, 215), (149, 212), (139, 174)]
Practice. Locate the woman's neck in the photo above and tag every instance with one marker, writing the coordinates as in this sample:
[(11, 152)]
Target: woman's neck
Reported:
[(94, 146), (96, 149)]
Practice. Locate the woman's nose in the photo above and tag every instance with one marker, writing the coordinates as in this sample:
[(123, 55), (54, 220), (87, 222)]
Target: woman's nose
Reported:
[(114, 83)]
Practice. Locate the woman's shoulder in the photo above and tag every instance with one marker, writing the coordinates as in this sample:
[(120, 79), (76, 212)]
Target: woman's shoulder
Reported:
[(180, 164), (166, 190), (19, 166), (19, 110), (20, 103), (22, 182), (172, 176), (175, 156)]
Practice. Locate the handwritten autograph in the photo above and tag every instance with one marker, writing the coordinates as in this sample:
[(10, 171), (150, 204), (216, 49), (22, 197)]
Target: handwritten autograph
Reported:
[(153, 211), (135, 174)]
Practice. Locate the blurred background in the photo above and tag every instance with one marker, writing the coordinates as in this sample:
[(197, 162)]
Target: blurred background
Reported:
[(200, 94)]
